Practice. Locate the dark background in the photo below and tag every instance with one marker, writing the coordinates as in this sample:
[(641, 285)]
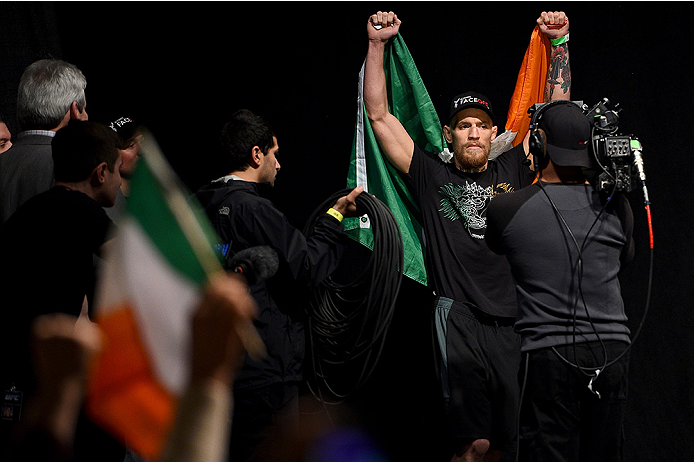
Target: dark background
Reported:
[(184, 67)]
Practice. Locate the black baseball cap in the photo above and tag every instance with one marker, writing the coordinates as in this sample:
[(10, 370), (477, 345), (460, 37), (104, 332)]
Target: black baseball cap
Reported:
[(567, 134), (470, 99), (125, 127)]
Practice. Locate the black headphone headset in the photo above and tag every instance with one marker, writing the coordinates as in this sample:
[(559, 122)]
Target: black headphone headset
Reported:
[(537, 143)]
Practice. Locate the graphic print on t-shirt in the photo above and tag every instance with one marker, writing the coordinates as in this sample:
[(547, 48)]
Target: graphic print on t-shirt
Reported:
[(469, 203)]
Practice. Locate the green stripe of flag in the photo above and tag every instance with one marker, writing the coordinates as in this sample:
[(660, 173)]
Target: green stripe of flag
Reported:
[(410, 103), (149, 206)]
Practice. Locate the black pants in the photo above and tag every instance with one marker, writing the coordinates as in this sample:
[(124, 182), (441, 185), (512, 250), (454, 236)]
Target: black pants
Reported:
[(561, 418), (480, 358)]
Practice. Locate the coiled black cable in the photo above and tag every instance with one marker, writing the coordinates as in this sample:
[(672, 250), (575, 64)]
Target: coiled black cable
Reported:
[(348, 321)]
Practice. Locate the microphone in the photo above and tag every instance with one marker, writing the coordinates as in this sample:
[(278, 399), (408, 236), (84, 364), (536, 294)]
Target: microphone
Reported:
[(638, 162), (255, 263)]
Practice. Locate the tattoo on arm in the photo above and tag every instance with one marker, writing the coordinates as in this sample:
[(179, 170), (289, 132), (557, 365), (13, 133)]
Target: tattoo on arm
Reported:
[(559, 71)]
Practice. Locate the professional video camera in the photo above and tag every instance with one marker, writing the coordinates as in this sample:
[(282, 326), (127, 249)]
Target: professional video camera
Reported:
[(617, 157)]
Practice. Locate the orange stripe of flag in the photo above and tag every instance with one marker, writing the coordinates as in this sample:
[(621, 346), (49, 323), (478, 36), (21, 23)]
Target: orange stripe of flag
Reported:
[(124, 396), (530, 85)]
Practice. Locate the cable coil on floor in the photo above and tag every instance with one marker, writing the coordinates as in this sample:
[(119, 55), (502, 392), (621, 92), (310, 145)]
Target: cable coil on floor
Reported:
[(348, 321)]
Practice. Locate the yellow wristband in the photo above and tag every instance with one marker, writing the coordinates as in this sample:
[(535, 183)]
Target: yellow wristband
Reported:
[(332, 212)]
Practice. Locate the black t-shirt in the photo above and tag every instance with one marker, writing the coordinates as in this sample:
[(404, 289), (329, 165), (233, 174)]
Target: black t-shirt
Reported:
[(453, 206), (52, 240), (47, 249)]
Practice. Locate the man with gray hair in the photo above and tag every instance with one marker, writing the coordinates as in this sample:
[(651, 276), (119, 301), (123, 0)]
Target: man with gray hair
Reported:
[(50, 93)]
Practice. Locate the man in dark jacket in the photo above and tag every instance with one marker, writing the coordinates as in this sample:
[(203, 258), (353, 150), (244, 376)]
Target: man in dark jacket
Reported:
[(267, 390)]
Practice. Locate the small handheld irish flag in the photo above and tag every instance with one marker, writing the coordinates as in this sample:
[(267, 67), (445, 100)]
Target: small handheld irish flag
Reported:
[(149, 285)]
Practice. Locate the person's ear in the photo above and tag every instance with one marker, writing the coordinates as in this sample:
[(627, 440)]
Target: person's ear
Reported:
[(447, 134), (99, 174), (256, 156), (75, 113)]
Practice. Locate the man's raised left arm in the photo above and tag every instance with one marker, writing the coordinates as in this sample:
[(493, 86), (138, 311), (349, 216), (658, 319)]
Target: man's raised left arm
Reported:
[(555, 25)]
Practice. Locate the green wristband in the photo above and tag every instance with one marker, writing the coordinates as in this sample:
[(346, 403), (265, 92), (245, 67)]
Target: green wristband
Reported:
[(560, 40)]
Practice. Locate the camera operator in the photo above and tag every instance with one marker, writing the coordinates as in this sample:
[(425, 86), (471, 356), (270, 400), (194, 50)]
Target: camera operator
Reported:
[(566, 243)]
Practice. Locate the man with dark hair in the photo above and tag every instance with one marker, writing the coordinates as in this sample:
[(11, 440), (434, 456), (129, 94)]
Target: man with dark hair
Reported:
[(566, 244), (130, 145), (84, 149), (51, 92), (47, 246), (267, 390), (240, 135), (130, 135)]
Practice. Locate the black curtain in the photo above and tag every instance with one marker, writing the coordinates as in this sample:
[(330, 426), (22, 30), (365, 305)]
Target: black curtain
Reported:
[(185, 67)]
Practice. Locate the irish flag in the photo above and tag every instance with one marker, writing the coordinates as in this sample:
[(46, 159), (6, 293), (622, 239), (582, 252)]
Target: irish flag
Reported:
[(410, 102), (149, 286), (530, 88)]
